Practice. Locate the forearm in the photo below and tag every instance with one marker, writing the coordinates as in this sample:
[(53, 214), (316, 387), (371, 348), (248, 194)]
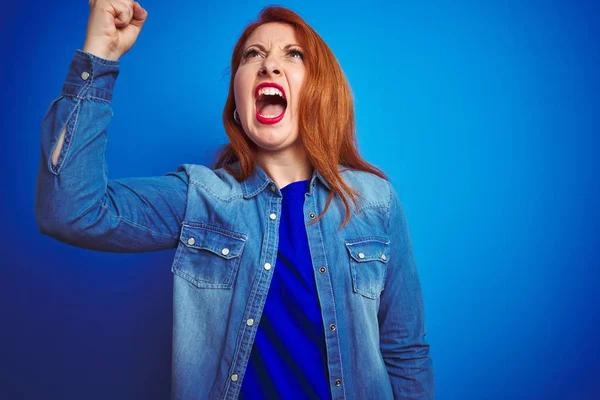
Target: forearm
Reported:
[(403, 344), (72, 173), (410, 368)]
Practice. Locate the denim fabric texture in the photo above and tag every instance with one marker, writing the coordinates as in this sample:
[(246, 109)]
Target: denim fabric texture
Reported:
[(226, 242)]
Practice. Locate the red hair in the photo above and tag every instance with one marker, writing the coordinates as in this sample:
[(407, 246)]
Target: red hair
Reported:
[(326, 113)]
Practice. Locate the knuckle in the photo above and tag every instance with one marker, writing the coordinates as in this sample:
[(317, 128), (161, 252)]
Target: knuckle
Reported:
[(128, 6)]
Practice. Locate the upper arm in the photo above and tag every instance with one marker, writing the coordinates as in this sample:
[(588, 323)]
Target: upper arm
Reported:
[(134, 215)]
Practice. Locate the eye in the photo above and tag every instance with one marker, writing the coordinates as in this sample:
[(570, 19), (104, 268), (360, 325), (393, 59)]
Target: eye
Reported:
[(251, 53), (296, 53)]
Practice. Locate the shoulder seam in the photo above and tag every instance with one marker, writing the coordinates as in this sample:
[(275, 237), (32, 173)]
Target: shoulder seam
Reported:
[(378, 205), (203, 186)]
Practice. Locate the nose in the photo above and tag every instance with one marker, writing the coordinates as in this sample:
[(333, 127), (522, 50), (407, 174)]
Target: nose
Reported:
[(270, 67)]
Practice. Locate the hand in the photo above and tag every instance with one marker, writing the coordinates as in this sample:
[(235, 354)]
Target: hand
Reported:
[(113, 27)]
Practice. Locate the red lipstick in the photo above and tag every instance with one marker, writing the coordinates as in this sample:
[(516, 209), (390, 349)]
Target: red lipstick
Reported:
[(263, 119)]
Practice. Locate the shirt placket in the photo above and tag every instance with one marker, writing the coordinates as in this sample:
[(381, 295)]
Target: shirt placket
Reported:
[(325, 294), (258, 294)]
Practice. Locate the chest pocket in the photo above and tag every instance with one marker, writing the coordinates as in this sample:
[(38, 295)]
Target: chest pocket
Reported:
[(208, 256), (368, 259)]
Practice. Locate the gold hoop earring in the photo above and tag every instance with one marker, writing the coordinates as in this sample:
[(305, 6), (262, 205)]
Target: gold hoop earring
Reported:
[(236, 117)]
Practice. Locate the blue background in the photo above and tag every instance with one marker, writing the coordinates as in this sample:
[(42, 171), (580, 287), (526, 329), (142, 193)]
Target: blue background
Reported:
[(485, 115)]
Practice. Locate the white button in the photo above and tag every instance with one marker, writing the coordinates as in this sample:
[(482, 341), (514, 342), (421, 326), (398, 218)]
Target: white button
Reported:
[(361, 255), (272, 188), (249, 322), (85, 75), (273, 216), (191, 241), (225, 251), (234, 377), (267, 266), (383, 257)]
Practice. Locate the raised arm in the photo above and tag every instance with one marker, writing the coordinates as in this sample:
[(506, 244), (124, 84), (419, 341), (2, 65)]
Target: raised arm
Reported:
[(75, 201), (401, 316)]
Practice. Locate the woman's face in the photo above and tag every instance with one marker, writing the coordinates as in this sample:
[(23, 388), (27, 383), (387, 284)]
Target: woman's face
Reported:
[(267, 86)]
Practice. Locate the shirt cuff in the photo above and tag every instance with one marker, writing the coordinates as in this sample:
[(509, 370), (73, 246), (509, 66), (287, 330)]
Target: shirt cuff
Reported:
[(91, 76)]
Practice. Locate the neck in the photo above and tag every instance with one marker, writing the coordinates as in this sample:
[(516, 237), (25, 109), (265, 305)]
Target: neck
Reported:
[(291, 165)]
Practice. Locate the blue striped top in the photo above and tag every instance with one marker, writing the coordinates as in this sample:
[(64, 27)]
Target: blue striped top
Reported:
[(288, 359)]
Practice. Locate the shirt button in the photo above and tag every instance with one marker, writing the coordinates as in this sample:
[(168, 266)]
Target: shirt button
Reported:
[(249, 322), (338, 382), (85, 75), (272, 187), (234, 377), (312, 215), (383, 257), (191, 241), (322, 270), (225, 251), (267, 266), (332, 327), (273, 216), (361, 255)]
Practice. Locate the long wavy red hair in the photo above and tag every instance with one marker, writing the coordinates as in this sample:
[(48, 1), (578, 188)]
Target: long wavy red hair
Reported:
[(326, 114)]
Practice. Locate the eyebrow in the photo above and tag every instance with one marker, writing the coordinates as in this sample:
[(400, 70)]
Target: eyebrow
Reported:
[(263, 48)]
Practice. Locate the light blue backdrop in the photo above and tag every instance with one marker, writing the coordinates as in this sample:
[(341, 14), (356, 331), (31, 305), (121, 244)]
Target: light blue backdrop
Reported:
[(485, 115)]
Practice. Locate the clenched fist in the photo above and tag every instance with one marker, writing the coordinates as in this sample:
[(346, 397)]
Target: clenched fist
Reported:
[(113, 27)]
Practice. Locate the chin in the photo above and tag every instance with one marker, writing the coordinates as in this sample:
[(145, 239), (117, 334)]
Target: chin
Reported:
[(272, 146), (272, 135)]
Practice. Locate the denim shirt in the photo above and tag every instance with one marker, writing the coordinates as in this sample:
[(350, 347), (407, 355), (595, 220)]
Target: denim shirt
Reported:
[(226, 236)]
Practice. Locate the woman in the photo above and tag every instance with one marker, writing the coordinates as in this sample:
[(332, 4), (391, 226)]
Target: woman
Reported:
[(294, 275)]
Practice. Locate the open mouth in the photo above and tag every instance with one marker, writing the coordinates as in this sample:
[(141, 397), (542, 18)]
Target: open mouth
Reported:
[(271, 103)]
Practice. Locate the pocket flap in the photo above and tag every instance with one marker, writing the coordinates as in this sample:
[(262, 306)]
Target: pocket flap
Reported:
[(369, 249), (223, 243)]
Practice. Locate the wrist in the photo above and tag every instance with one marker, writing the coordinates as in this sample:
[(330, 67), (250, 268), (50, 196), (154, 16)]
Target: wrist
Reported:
[(100, 51)]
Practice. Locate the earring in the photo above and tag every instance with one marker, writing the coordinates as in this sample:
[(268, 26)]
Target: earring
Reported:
[(236, 117)]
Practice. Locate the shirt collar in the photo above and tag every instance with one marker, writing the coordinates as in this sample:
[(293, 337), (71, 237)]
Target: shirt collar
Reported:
[(259, 181)]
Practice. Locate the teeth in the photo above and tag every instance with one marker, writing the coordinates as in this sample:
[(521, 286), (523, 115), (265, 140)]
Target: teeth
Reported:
[(270, 91)]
